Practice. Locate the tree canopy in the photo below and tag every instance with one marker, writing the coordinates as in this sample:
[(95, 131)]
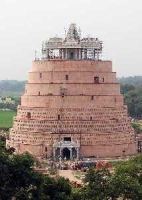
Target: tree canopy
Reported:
[(18, 179), (131, 88), (125, 182)]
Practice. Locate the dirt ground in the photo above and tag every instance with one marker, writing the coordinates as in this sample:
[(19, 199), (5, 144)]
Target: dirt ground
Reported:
[(69, 174)]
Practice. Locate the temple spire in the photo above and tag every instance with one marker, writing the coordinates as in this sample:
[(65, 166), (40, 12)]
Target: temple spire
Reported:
[(72, 33)]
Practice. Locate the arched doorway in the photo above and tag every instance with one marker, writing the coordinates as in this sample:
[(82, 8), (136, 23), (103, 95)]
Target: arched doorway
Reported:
[(66, 153), (66, 149), (72, 55)]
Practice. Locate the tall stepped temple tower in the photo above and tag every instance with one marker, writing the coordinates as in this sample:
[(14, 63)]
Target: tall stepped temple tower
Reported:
[(72, 106)]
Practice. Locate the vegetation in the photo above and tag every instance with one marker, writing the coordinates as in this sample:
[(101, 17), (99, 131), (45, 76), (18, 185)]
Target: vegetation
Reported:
[(131, 88), (137, 125), (131, 80), (11, 87), (10, 105), (6, 119), (20, 181), (124, 183)]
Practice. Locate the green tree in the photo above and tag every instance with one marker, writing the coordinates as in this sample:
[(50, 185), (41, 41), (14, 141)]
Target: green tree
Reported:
[(126, 88), (137, 127), (133, 100), (125, 186), (19, 179), (124, 183), (98, 185), (56, 189)]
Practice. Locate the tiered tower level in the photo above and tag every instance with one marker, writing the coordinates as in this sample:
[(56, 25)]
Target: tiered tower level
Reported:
[(72, 106)]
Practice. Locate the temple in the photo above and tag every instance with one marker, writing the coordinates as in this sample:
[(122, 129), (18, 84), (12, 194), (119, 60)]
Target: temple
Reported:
[(72, 106), (72, 47)]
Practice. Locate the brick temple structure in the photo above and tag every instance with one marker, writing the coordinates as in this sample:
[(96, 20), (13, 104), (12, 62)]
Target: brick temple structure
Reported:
[(72, 106)]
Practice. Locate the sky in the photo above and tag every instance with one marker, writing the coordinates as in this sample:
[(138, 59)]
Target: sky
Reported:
[(25, 24)]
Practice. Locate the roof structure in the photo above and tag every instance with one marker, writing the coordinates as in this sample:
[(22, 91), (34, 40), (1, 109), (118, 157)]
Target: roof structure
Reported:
[(72, 46), (68, 144)]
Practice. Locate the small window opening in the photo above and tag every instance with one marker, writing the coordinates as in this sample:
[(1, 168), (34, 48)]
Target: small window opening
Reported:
[(96, 79), (28, 115), (67, 139), (67, 77), (103, 80), (45, 149), (40, 75), (59, 117), (92, 97), (91, 118), (39, 93)]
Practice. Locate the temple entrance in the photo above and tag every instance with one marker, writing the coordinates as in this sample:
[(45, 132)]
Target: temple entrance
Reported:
[(66, 153), (66, 149), (72, 55)]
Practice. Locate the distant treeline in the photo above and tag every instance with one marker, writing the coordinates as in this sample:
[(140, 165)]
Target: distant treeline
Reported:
[(130, 80), (11, 87), (131, 88)]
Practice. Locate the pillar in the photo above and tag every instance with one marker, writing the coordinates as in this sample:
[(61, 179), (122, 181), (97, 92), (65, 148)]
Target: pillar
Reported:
[(63, 54), (70, 153), (60, 53), (66, 54), (47, 53), (60, 151), (94, 54), (85, 53), (80, 54), (77, 153), (54, 151), (97, 54)]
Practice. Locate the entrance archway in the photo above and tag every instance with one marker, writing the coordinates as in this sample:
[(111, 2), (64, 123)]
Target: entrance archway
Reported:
[(71, 55), (66, 149), (66, 153)]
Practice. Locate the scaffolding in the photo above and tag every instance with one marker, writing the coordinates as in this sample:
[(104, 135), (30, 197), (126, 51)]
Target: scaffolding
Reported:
[(72, 47)]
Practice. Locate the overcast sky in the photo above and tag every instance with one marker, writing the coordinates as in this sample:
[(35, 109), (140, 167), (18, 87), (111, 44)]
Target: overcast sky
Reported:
[(24, 24)]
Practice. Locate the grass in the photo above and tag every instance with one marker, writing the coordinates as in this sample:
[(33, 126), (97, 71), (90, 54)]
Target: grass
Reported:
[(6, 119)]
